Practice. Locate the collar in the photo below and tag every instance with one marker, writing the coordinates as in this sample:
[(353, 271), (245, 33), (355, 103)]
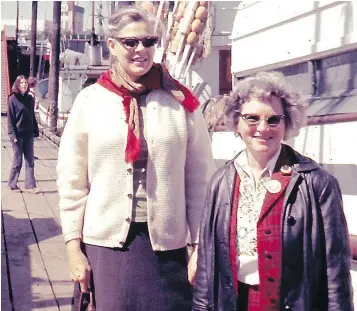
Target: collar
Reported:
[(242, 166), (157, 78)]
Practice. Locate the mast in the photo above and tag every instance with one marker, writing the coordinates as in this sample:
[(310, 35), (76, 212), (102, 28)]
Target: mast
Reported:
[(17, 39), (73, 19), (53, 84), (93, 29), (17, 22), (33, 38)]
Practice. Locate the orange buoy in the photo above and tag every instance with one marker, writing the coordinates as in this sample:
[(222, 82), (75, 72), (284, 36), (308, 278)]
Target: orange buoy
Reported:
[(196, 25), (201, 13), (147, 6), (192, 38)]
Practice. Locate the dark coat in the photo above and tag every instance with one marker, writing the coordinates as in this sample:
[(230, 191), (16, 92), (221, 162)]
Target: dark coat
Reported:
[(316, 254), (21, 116)]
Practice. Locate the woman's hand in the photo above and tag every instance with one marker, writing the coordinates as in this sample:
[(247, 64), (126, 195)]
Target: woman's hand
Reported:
[(79, 268), (192, 265)]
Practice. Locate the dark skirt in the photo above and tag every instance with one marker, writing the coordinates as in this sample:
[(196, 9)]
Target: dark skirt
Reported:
[(248, 297), (136, 278)]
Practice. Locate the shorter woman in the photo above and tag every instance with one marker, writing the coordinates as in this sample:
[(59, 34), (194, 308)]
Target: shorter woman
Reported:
[(22, 128), (273, 234)]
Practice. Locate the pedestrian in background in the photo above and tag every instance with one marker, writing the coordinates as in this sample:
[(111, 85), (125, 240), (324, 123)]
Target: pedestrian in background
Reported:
[(32, 81), (273, 234), (133, 168), (22, 129)]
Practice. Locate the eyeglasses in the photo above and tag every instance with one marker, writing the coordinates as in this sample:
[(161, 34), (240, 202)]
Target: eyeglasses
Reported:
[(147, 42), (254, 119)]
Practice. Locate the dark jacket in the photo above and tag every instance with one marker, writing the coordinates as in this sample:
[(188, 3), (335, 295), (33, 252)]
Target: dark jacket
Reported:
[(21, 116), (316, 253)]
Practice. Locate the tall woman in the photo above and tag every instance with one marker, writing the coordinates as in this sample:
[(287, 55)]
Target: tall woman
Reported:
[(133, 169), (22, 128), (273, 234)]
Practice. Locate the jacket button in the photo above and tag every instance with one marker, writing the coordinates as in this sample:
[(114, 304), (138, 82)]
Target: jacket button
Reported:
[(270, 279), (287, 307), (130, 196), (268, 255), (129, 170), (291, 221), (267, 231), (128, 219)]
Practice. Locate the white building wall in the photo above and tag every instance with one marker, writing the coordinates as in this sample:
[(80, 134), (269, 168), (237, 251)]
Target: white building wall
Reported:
[(326, 144), (273, 32)]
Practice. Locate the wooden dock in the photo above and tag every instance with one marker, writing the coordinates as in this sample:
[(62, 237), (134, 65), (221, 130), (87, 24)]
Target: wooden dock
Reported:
[(34, 271)]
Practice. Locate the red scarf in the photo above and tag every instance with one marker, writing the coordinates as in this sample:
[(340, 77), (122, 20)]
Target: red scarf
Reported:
[(157, 78)]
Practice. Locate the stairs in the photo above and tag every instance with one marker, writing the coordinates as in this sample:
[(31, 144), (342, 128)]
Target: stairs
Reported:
[(5, 87)]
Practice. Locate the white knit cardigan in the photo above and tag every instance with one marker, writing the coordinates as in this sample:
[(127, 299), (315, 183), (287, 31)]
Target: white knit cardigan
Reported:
[(95, 184)]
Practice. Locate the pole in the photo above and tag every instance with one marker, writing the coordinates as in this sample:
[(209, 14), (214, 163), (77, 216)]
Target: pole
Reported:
[(17, 40), (53, 86), (17, 23), (112, 7), (73, 18), (33, 38), (93, 29)]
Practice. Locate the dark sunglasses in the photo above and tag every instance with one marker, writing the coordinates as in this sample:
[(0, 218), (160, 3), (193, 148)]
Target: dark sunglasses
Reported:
[(147, 42), (254, 119)]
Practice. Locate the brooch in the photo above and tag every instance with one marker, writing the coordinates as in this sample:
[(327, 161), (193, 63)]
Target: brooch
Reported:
[(285, 170), (273, 186)]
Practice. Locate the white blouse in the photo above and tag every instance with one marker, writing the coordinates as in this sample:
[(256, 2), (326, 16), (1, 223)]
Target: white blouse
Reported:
[(251, 198)]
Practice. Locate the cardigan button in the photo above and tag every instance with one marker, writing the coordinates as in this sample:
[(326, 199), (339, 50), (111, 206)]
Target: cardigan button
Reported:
[(129, 170), (121, 243), (267, 231), (291, 221), (130, 196), (128, 219)]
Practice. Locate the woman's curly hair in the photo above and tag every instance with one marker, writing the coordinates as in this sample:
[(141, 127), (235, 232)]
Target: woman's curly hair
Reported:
[(262, 86)]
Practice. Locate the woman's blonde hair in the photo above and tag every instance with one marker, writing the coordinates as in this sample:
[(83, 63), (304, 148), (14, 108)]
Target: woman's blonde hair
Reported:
[(262, 86), (132, 14)]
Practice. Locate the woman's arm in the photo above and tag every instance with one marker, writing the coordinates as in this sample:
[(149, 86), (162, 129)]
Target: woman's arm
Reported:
[(199, 169), (338, 253), (205, 251), (72, 170), (73, 188), (11, 120)]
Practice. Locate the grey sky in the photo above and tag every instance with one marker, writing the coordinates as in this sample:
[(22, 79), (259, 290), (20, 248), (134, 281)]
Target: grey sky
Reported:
[(45, 10)]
